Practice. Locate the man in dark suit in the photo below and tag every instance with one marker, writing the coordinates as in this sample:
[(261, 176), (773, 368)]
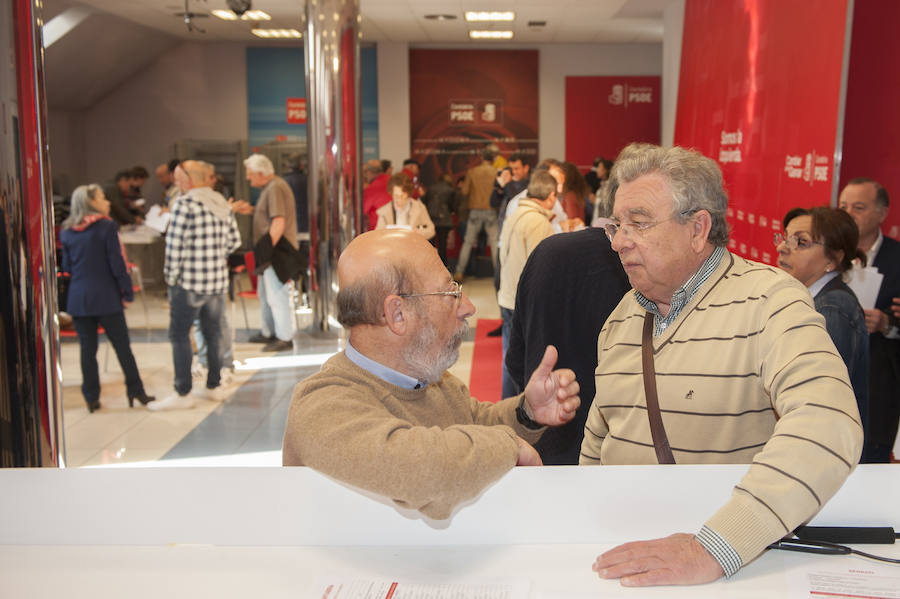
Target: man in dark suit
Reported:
[(590, 273), (867, 202)]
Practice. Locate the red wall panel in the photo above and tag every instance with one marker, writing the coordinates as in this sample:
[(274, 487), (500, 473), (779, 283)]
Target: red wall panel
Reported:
[(871, 123), (460, 100), (604, 114), (759, 92)]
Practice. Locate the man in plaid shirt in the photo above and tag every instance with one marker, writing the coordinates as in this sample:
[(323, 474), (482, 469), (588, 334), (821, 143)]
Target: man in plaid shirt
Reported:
[(201, 235)]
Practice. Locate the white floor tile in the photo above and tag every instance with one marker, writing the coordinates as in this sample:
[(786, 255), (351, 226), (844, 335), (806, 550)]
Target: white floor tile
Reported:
[(117, 435)]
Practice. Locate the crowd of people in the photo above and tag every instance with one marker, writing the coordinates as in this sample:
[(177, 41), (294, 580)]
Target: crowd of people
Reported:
[(636, 339), (201, 242)]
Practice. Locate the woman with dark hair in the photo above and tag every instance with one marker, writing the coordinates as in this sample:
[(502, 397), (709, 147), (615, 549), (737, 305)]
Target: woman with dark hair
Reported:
[(92, 255), (404, 211), (575, 193), (818, 246), (602, 204)]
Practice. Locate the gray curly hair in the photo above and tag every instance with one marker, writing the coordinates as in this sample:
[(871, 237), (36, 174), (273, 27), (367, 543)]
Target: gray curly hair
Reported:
[(695, 181)]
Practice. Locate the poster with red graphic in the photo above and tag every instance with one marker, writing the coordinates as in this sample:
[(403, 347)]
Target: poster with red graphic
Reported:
[(462, 100), (605, 114), (759, 92), (296, 111), (871, 126)]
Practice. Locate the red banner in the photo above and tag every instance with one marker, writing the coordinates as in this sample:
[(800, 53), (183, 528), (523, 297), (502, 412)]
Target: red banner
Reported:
[(871, 127), (461, 100), (605, 114), (759, 92)]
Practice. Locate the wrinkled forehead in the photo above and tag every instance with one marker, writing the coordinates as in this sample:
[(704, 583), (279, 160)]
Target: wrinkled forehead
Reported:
[(648, 195)]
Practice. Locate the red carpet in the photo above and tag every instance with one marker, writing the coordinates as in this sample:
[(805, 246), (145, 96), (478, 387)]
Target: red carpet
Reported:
[(487, 357)]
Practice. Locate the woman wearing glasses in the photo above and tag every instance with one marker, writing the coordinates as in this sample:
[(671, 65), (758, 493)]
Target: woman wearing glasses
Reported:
[(818, 246)]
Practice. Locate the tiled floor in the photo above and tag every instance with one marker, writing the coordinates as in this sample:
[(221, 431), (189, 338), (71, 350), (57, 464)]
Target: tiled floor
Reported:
[(244, 430)]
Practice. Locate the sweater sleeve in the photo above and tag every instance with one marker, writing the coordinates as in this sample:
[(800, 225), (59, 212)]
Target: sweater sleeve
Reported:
[(179, 227), (503, 413), (817, 439), (117, 263), (343, 430), (538, 230)]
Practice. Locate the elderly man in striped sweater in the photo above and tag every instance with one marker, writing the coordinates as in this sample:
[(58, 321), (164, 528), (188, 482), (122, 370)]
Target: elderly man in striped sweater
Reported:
[(737, 367)]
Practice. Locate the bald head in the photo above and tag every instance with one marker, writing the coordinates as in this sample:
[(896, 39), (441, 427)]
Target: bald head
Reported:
[(377, 264), (198, 172)]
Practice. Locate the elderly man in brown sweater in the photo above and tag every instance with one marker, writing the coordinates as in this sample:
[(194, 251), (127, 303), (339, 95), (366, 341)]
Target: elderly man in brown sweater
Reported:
[(385, 415)]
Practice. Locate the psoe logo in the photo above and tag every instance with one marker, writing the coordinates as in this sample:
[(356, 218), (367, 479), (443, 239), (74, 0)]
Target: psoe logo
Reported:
[(462, 112), (640, 95), (617, 96)]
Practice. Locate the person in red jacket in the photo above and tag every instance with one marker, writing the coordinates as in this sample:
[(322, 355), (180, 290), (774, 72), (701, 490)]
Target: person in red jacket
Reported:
[(375, 194)]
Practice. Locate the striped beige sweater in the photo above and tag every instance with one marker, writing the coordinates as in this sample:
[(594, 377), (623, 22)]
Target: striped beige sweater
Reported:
[(426, 449), (745, 374)]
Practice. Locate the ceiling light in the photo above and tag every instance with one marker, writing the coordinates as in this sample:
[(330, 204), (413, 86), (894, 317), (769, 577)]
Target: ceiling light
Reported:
[(441, 17), (225, 15), (250, 15), (490, 16), (480, 34), (276, 33), (256, 15)]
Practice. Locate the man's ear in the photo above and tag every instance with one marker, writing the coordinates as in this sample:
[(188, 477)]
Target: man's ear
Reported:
[(701, 224), (395, 316)]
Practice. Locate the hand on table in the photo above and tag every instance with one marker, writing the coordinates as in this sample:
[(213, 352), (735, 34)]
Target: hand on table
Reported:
[(676, 559), (528, 455), (551, 396)]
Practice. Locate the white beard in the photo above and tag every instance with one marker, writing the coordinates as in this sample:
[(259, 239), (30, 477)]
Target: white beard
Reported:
[(427, 368)]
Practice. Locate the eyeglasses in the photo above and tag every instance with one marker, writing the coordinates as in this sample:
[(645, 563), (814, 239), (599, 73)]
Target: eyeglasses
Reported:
[(794, 242), (639, 228), (455, 292)]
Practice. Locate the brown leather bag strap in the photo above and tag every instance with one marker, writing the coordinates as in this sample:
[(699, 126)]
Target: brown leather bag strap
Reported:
[(657, 430)]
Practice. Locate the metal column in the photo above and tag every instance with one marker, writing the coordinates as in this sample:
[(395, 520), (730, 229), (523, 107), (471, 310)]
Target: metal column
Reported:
[(31, 432), (331, 43)]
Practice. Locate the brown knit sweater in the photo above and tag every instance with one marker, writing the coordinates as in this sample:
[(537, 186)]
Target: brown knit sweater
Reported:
[(426, 449)]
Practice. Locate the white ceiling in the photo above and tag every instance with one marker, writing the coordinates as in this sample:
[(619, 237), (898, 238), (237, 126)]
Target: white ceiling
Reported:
[(118, 37), (568, 21)]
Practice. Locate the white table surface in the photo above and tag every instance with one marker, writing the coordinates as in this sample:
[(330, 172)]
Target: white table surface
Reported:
[(273, 532)]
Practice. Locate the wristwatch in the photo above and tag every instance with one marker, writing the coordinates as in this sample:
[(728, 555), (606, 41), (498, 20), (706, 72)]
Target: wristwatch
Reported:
[(522, 416)]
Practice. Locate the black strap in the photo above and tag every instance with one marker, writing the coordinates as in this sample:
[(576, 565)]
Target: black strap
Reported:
[(657, 429)]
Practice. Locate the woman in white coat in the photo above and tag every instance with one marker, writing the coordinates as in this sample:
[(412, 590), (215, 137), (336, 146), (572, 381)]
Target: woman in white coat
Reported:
[(404, 211)]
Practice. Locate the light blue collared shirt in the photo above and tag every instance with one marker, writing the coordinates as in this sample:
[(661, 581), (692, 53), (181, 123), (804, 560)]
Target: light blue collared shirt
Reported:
[(381, 371)]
